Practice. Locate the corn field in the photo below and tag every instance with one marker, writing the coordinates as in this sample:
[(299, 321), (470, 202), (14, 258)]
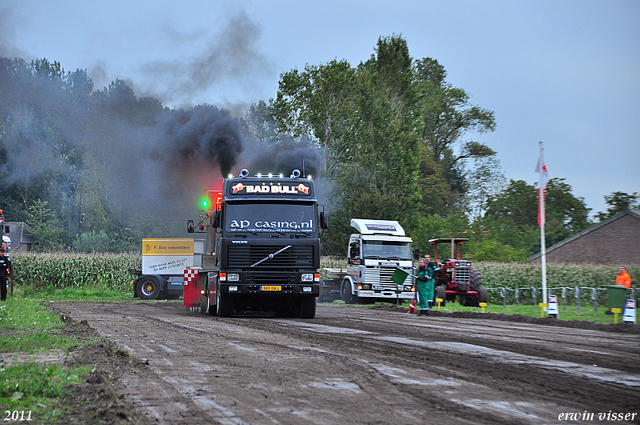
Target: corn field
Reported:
[(60, 271), (111, 272)]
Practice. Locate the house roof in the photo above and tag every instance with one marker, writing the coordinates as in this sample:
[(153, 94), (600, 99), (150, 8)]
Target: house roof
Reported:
[(635, 212), (18, 232)]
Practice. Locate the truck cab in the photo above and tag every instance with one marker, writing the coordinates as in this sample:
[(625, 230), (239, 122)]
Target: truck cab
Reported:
[(263, 248), (374, 254)]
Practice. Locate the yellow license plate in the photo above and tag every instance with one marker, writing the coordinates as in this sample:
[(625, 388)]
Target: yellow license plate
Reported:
[(271, 288)]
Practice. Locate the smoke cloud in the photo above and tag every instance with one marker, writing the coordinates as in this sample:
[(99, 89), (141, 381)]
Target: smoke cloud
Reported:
[(202, 134), (232, 57)]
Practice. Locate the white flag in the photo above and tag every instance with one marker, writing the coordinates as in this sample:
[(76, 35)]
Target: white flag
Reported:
[(544, 179)]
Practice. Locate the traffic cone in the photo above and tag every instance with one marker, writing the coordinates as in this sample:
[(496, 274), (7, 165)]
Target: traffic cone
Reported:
[(552, 309), (629, 312), (412, 306)]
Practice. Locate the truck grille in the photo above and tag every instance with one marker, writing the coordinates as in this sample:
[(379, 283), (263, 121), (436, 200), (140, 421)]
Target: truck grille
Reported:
[(270, 277), (295, 257), (381, 277)]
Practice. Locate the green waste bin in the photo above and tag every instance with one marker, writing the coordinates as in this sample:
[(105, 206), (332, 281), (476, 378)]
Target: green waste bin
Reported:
[(617, 296)]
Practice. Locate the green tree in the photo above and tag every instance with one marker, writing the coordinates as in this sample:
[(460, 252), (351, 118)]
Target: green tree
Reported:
[(512, 215), (44, 226), (447, 116), (618, 202)]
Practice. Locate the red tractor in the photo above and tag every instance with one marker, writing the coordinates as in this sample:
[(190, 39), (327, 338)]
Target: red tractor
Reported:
[(457, 277)]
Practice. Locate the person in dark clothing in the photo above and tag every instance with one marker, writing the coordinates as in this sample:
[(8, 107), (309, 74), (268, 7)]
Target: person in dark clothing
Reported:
[(5, 270)]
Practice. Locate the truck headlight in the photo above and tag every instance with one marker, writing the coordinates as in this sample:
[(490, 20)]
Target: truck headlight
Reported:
[(306, 289), (233, 288), (233, 277), (306, 277)]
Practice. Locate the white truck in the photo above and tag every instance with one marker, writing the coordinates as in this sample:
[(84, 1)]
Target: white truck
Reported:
[(163, 263), (374, 255)]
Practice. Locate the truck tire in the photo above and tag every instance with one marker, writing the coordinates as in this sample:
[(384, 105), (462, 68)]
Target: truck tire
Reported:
[(308, 307), (224, 305), (441, 292), (148, 288), (475, 280), (346, 294)]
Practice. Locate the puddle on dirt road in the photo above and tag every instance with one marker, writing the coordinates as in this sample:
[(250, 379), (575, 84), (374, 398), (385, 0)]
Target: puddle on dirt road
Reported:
[(337, 384), (327, 329), (500, 356)]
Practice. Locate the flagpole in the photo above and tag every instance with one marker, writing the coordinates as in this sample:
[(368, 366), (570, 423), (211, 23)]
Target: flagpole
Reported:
[(543, 250)]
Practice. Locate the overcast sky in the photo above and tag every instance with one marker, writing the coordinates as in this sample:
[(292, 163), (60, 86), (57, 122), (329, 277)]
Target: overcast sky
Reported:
[(562, 72)]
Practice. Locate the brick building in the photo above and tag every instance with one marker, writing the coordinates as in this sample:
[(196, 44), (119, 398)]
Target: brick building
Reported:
[(615, 240)]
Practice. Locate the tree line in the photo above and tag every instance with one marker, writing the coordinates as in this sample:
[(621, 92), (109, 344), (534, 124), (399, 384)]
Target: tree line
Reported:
[(97, 170)]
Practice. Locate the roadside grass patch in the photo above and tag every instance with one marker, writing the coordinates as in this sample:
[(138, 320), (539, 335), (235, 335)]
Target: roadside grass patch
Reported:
[(26, 326), (37, 389), (586, 313)]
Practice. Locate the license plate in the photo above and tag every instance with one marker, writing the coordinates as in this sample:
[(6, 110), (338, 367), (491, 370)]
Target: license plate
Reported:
[(271, 288)]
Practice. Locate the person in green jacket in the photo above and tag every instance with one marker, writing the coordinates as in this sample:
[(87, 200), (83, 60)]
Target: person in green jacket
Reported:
[(425, 286)]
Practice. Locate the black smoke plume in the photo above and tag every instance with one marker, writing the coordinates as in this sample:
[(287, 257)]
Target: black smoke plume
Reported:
[(199, 135)]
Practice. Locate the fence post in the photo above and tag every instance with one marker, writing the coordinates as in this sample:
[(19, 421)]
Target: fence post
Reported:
[(517, 296), (534, 295), (594, 297), (578, 297), (564, 297), (503, 293)]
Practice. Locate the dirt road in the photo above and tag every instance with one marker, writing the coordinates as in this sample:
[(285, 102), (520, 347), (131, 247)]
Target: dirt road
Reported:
[(362, 365)]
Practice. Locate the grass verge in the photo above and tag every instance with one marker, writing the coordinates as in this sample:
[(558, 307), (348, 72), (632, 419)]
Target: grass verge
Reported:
[(571, 313), (32, 388)]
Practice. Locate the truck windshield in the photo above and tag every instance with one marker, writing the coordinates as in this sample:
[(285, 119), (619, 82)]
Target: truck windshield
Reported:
[(270, 218), (387, 250)]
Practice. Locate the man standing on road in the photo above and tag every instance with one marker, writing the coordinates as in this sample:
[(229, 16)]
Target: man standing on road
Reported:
[(623, 279), (5, 269), (425, 286)]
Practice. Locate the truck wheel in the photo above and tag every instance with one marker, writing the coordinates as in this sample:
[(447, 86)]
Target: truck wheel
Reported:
[(441, 292), (475, 280), (148, 288), (224, 305), (346, 294), (308, 307), (203, 304)]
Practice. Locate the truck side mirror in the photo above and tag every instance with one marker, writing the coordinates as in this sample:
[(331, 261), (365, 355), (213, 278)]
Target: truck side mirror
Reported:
[(216, 219), (190, 226), (324, 220), (416, 254)]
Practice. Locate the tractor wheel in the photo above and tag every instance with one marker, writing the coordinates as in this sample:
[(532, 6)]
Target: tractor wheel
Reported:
[(148, 288), (476, 279), (441, 292), (483, 295), (346, 294)]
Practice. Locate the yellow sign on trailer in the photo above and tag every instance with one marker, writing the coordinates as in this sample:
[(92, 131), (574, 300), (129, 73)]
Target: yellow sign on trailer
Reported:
[(166, 255)]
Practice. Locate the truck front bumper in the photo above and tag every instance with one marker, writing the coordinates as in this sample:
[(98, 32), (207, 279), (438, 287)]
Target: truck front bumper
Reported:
[(289, 289), (388, 294)]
